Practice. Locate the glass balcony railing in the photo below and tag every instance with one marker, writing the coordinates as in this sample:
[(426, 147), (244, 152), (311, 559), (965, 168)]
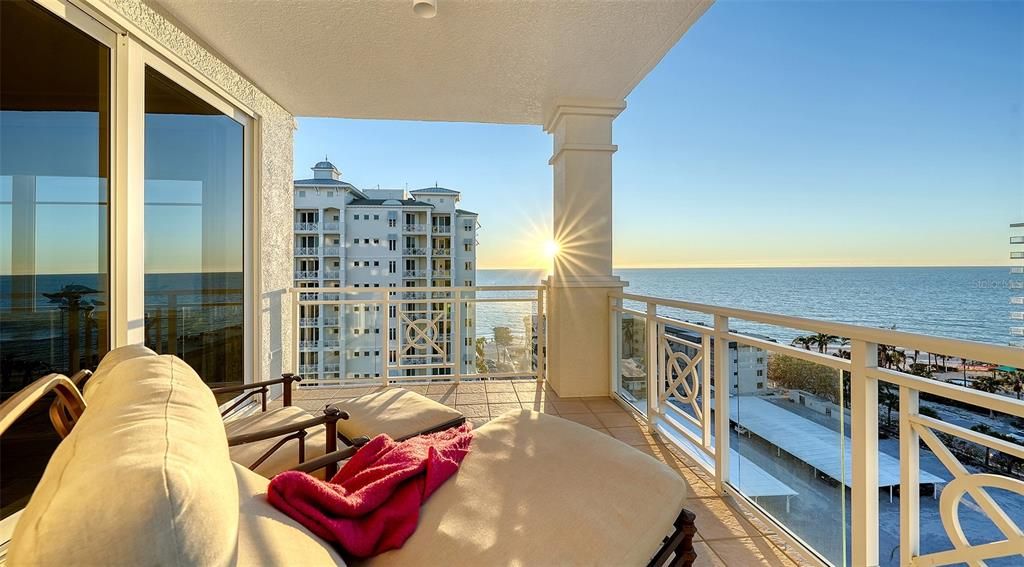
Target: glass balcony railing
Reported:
[(866, 446), (394, 335)]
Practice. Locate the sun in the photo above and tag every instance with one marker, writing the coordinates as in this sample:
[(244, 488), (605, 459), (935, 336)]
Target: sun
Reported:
[(550, 249)]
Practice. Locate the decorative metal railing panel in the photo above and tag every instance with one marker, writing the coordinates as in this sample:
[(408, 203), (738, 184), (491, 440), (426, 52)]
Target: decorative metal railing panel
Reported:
[(425, 333), (808, 430)]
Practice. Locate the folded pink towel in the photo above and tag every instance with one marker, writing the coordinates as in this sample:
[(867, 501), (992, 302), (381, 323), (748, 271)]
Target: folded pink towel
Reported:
[(373, 503)]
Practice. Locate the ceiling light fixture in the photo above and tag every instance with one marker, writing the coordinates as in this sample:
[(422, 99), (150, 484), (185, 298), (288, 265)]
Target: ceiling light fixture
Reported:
[(424, 8)]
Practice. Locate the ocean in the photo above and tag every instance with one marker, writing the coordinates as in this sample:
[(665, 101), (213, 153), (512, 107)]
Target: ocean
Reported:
[(962, 303)]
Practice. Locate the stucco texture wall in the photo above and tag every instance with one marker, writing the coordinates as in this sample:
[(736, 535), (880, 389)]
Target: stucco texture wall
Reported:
[(275, 127)]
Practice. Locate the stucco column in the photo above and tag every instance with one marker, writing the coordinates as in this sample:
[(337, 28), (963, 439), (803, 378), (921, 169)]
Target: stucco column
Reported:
[(578, 320)]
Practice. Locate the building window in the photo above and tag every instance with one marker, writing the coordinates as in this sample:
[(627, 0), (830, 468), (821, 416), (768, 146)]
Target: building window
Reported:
[(393, 310), (392, 266), (469, 283), (376, 217), (392, 245), (392, 223), (392, 334), (366, 241), (355, 331), (366, 217), (467, 247), (376, 241), (760, 373), (376, 263), (302, 193), (469, 266), (330, 193)]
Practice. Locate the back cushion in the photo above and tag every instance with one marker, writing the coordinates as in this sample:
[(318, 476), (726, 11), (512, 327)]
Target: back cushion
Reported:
[(143, 479), (111, 360)]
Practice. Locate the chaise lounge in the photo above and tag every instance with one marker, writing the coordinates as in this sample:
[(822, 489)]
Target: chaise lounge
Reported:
[(145, 477), (279, 439)]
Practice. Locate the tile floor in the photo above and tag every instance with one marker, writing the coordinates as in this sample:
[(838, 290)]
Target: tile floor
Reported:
[(727, 533)]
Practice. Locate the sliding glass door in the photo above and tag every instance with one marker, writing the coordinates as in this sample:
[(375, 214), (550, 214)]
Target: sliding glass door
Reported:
[(194, 223), (55, 88)]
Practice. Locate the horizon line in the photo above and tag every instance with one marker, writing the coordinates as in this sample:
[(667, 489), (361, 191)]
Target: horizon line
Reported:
[(758, 266)]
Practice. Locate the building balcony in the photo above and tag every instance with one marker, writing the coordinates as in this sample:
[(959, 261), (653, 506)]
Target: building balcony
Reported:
[(442, 273), (309, 321), (414, 274), (441, 229), (331, 367), (1017, 255), (307, 274), (1017, 331), (442, 252), (308, 369), (307, 251), (332, 227), (414, 228), (332, 275), (414, 251), (331, 251), (307, 227)]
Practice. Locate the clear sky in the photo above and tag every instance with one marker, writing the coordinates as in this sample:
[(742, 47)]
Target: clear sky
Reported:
[(774, 134)]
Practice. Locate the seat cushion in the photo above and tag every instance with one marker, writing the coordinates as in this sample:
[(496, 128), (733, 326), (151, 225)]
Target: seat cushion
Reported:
[(540, 490), (394, 411), (144, 478), (285, 457), (111, 360), (268, 537)]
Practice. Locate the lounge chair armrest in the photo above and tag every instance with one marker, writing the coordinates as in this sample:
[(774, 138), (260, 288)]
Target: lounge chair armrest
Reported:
[(330, 459), (330, 416), (284, 379)]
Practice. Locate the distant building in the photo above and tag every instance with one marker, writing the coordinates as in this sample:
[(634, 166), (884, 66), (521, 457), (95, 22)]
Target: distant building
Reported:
[(1017, 284), (748, 365), (377, 238)]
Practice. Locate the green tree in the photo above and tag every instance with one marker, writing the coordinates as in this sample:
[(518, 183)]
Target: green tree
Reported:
[(823, 340), (794, 373), (805, 342), (990, 383), (1014, 381), (481, 362)]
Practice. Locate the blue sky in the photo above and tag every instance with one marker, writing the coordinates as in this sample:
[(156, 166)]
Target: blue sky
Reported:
[(773, 134)]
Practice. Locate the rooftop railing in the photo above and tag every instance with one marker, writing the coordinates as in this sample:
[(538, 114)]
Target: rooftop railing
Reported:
[(837, 439), (431, 333)]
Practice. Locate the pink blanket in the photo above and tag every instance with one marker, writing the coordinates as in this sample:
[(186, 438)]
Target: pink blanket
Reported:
[(373, 503)]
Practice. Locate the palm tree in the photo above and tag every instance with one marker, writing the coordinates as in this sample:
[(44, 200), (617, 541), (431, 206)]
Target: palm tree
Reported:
[(822, 340), (1014, 380), (805, 342), (990, 384)]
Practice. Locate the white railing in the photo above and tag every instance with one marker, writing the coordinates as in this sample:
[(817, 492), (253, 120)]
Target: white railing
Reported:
[(307, 226), (332, 250), (1017, 255), (431, 333), (309, 322), (414, 273), (307, 251), (307, 274), (1017, 240), (416, 228), (332, 367), (441, 229), (332, 226), (332, 275), (414, 251), (443, 252), (309, 344), (442, 273), (308, 369), (783, 439)]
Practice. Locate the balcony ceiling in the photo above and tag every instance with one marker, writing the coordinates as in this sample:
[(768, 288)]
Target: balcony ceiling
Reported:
[(476, 61)]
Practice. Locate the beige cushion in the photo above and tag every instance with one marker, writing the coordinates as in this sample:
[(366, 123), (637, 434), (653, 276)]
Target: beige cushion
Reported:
[(111, 360), (539, 490), (285, 457), (395, 411), (268, 537), (143, 479)]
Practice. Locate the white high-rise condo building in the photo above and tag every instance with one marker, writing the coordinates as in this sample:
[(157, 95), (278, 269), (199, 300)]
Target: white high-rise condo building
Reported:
[(375, 239)]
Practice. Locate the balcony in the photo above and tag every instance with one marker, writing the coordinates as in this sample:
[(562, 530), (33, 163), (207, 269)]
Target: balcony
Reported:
[(332, 227), (414, 274), (307, 227), (441, 229), (332, 251), (442, 252), (415, 228), (307, 274), (307, 251), (1017, 240), (414, 251), (442, 273)]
